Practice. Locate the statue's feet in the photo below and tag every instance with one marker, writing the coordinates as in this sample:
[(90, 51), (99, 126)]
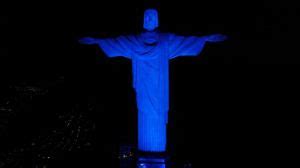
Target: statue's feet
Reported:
[(153, 154)]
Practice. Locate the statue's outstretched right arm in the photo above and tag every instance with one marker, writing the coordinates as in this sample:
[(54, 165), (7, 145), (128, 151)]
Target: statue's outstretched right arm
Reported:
[(88, 41), (112, 47)]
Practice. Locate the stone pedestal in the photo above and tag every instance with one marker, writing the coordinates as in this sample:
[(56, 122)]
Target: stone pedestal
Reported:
[(144, 162)]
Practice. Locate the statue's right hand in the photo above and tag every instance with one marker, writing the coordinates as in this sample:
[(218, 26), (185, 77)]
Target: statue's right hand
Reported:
[(87, 40)]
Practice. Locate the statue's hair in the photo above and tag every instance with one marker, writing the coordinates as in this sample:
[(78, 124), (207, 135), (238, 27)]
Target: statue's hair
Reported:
[(152, 10)]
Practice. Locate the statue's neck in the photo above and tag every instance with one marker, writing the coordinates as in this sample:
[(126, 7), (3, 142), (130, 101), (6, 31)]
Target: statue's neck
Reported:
[(150, 37), (150, 32)]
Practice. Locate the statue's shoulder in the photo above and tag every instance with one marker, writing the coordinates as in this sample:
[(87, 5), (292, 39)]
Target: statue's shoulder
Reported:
[(129, 37), (166, 35)]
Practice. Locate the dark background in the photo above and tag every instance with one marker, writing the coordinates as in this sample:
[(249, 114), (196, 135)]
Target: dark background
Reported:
[(235, 101)]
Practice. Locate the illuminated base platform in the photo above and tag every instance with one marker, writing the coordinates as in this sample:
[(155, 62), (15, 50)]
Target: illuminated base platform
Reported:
[(147, 162), (130, 158)]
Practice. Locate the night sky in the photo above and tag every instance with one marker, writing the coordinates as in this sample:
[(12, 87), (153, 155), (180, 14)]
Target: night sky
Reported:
[(232, 99)]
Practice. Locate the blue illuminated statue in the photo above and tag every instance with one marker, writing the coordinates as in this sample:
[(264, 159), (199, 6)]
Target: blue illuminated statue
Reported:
[(150, 52)]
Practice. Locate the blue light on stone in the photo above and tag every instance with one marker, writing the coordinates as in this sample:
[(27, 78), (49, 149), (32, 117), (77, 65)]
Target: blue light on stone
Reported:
[(151, 163), (150, 53)]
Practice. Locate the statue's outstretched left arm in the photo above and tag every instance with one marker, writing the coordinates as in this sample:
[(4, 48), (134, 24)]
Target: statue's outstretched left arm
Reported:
[(215, 38), (190, 45)]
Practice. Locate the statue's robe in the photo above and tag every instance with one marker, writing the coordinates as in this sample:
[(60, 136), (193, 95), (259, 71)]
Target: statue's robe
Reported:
[(150, 53)]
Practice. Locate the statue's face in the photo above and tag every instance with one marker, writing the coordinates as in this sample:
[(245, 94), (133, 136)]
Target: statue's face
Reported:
[(150, 19)]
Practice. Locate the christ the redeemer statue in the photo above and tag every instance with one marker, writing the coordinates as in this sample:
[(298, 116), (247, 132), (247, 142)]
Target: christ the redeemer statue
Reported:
[(150, 53)]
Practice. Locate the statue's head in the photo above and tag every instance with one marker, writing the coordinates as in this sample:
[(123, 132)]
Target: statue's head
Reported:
[(150, 19)]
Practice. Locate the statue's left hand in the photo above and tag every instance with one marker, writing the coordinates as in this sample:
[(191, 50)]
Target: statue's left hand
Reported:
[(216, 38)]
